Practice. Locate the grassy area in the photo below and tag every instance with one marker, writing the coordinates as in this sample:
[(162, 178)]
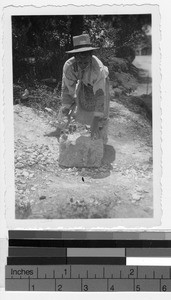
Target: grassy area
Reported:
[(39, 97)]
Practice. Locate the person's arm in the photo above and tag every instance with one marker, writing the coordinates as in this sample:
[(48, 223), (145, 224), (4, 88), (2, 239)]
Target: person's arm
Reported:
[(68, 87)]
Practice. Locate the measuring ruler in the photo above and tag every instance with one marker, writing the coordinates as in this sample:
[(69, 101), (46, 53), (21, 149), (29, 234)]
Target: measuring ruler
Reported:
[(88, 278)]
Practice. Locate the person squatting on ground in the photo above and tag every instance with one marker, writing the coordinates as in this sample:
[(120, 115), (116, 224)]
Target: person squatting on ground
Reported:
[(85, 82)]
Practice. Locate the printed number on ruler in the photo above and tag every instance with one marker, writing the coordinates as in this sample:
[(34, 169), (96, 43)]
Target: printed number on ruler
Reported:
[(88, 278)]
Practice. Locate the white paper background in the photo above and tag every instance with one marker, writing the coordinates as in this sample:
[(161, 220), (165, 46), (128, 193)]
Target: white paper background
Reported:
[(165, 10)]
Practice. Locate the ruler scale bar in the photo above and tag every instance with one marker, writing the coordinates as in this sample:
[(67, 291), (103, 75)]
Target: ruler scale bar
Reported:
[(90, 243), (86, 271), (94, 282), (97, 285)]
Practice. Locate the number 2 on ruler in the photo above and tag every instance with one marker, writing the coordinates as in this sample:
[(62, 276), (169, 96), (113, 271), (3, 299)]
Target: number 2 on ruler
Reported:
[(59, 287)]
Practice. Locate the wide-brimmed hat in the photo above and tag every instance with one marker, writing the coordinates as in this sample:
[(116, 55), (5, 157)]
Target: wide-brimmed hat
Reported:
[(81, 43)]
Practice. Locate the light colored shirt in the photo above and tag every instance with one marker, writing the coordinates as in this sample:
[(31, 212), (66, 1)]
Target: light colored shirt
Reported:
[(94, 75)]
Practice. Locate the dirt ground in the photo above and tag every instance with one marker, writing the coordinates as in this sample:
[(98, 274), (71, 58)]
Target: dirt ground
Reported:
[(120, 188)]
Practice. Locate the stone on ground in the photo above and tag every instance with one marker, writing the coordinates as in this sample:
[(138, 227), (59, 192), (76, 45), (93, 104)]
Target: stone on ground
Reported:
[(81, 152)]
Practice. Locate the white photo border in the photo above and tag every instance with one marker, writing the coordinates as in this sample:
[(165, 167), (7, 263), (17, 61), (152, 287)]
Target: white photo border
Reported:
[(80, 224)]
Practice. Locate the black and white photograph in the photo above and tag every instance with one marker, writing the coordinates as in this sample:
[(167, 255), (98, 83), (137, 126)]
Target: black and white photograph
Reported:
[(83, 115)]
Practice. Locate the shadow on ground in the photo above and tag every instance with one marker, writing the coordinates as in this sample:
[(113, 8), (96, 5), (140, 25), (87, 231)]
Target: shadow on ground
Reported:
[(106, 168), (109, 154)]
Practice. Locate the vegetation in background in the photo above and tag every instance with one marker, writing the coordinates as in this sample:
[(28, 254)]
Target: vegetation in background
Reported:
[(40, 42)]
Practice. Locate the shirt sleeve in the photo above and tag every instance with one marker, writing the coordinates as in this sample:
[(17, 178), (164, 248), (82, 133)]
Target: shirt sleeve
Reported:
[(69, 82)]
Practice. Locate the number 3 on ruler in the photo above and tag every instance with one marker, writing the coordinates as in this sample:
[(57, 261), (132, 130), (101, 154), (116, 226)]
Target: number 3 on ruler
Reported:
[(85, 287)]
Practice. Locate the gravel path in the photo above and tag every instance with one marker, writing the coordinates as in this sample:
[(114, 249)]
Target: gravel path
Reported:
[(120, 188)]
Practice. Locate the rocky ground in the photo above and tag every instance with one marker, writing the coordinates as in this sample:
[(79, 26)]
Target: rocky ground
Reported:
[(120, 188)]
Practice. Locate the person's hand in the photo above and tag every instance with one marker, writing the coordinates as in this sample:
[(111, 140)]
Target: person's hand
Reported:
[(95, 132)]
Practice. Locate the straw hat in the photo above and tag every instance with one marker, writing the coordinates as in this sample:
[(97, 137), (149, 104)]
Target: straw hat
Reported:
[(81, 44)]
